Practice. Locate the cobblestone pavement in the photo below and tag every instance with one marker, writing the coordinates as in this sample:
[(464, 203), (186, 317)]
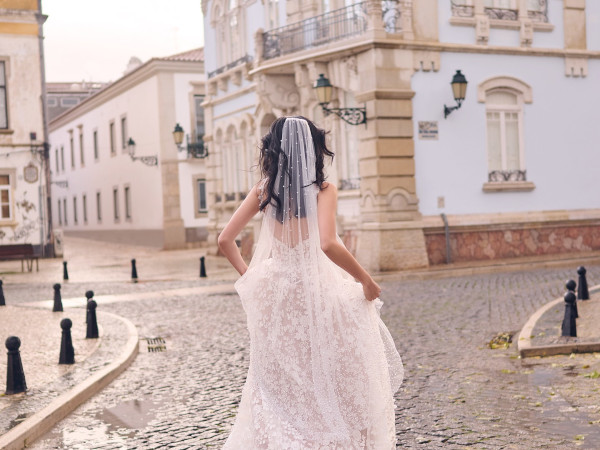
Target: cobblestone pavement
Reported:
[(457, 394)]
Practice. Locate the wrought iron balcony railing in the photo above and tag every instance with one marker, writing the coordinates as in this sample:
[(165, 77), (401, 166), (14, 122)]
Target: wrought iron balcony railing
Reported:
[(231, 65), (329, 27), (507, 175)]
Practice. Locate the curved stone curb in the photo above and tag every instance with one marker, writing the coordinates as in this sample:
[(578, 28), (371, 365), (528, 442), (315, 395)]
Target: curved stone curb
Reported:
[(524, 342), (38, 424)]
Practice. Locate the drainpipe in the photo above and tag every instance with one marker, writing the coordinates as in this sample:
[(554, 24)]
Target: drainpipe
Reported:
[(46, 151), (447, 233)]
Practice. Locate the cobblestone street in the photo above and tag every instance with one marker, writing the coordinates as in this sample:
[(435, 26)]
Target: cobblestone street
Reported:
[(458, 393)]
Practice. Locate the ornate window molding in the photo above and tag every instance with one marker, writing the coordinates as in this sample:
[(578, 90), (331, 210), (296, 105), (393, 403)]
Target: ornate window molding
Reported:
[(504, 98), (502, 14)]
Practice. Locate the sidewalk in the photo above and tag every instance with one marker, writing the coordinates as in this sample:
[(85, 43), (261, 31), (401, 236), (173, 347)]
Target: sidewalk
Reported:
[(55, 390), (541, 335)]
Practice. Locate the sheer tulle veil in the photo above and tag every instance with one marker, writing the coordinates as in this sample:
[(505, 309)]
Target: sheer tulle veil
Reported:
[(323, 366)]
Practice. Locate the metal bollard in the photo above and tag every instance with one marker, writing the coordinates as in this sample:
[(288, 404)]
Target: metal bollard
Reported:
[(582, 291), (88, 295), (65, 272), (2, 300), (569, 327), (92, 323), (571, 285), (202, 268), (57, 299), (15, 377), (67, 352), (134, 275)]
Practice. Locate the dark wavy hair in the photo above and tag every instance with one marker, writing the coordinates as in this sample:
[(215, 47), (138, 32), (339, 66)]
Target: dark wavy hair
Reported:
[(270, 150)]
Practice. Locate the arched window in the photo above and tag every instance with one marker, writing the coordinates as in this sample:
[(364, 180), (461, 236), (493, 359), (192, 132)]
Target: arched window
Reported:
[(504, 98)]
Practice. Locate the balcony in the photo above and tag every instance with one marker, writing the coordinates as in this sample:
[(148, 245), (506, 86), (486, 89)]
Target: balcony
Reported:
[(333, 26)]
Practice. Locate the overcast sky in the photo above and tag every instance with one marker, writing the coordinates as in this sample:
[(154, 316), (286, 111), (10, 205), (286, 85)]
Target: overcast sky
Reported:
[(93, 41)]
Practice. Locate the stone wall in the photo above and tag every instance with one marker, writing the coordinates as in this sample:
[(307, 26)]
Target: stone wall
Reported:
[(491, 244)]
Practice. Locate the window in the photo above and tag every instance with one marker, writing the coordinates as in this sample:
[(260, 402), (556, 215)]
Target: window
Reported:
[(116, 204), (75, 210), (98, 207), (199, 113), (69, 101), (348, 161), (111, 131), (62, 157), (56, 159), (52, 101), (124, 133), (5, 197), (72, 150), (3, 102), (84, 205), (60, 221), (127, 195), (81, 151), (201, 195), (65, 211), (272, 14), (95, 137), (324, 6)]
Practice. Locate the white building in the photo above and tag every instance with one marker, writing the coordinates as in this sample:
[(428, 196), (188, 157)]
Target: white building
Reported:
[(158, 197), (23, 160), (514, 170)]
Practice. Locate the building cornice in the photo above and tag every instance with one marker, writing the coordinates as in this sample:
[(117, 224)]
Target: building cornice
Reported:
[(139, 75), (354, 46)]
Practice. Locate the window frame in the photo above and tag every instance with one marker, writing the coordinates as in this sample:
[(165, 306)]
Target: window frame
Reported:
[(84, 208), (111, 137), (65, 212), (98, 207), (10, 188), (60, 220), (95, 143), (196, 181), (81, 146), (4, 89), (72, 149), (124, 137), (75, 218), (127, 200), (116, 205)]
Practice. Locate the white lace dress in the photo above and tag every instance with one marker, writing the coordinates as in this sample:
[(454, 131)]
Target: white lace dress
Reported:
[(323, 366)]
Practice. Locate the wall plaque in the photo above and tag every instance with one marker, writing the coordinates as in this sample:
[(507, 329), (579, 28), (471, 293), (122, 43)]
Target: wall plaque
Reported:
[(428, 131), (30, 173)]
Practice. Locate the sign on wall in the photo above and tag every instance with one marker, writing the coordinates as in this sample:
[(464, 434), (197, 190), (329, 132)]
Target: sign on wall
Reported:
[(428, 131)]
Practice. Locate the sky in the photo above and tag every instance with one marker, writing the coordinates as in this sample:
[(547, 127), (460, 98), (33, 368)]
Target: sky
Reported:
[(93, 41)]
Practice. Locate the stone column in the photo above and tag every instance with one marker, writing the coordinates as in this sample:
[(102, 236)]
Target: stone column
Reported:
[(391, 235), (173, 227)]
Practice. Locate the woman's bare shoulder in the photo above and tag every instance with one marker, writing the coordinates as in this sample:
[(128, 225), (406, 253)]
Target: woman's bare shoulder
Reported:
[(328, 190)]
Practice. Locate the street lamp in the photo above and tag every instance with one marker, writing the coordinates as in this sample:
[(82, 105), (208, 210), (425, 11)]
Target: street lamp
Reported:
[(148, 160), (459, 90), (197, 149), (352, 116)]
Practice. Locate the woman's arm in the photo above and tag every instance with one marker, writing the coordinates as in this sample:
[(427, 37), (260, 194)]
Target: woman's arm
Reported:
[(326, 211), (238, 221)]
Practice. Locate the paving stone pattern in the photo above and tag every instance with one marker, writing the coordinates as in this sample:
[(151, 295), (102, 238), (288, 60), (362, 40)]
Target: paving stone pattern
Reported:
[(457, 394)]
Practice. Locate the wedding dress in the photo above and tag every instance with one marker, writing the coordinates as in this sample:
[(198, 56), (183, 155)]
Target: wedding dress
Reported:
[(323, 366)]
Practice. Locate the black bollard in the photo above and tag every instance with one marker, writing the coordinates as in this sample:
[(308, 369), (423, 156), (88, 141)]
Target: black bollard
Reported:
[(92, 324), (582, 291), (134, 276), (571, 285), (569, 327), (202, 268), (15, 377), (67, 352), (65, 272), (88, 295), (57, 299), (2, 300)]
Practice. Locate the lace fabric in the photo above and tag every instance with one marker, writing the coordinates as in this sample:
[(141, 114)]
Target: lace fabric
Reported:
[(323, 366)]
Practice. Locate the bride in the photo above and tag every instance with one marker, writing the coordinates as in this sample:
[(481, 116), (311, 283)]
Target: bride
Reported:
[(323, 366)]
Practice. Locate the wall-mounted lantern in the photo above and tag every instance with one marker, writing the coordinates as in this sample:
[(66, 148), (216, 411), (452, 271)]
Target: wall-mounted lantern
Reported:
[(459, 90), (324, 89), (194, 149), (148, 160)]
